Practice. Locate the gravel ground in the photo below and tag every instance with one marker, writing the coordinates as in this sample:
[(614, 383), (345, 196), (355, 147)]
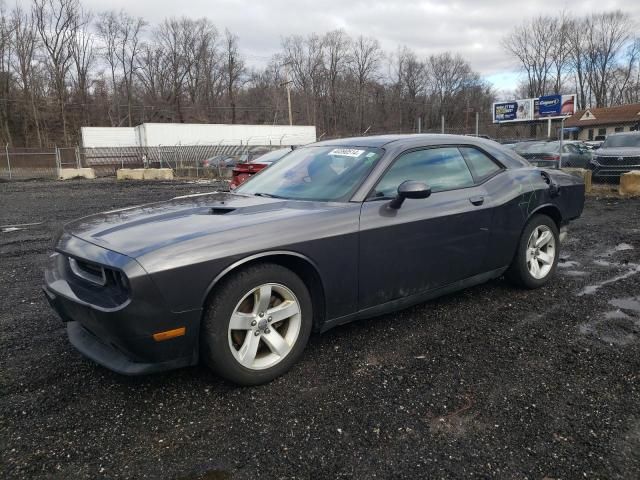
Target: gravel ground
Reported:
[(490, 382)]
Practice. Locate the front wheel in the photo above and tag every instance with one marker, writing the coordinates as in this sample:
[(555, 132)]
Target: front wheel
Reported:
[(536, 259), (256, 324)]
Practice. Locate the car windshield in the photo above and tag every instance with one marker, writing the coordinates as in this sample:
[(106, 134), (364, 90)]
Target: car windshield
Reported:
[(272, 156), (617, 141), (315, 173)]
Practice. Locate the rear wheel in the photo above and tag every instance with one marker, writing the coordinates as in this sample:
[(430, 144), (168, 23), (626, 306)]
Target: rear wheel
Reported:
[(536, 259), (256, 324)]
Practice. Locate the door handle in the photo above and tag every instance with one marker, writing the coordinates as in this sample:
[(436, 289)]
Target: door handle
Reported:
[(479, 200)]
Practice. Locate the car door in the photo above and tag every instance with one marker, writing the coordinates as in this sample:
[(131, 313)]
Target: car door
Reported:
[(427, 243)]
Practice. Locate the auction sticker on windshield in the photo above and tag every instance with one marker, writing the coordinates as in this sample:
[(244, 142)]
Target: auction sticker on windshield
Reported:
[(346, 152)]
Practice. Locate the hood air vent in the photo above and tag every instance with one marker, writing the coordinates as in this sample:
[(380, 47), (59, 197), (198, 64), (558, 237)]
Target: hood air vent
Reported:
[(220, 210)]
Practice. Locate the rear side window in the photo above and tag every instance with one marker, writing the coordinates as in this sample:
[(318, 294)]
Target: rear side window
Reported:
[(481, 165), (440, 168)]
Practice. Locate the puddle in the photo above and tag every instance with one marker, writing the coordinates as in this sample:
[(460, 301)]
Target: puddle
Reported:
[(615, 315), (615, 328), (17, 226), (603, 263), (621, 247), (591, 289), (575, 273), (568, 264), (631, 303)]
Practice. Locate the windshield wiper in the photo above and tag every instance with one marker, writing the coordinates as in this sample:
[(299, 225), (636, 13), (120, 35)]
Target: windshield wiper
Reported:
[(269, 195)]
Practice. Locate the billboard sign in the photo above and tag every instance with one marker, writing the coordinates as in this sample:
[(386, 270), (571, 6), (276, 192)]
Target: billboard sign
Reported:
[(516, 111), (555, 106), (528, 109)]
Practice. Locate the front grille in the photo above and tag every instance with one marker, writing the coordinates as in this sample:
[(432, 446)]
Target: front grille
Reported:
[(96, 284), (613, 161), (88, 271)]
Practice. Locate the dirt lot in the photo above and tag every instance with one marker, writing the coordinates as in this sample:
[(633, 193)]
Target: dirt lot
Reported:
[(491, 382)]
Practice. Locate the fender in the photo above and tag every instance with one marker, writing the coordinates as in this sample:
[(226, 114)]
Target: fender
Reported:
[(258, 256), (540, 207)]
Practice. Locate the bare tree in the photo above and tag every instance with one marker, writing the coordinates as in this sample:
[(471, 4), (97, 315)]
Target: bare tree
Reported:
[(202, 79), (540, 48), (577, 58), (337, 44), (56, 22), (175, 39), (608, 35), (411, 76), (365, 57), (109, 32), (5, 74), (304, 58), (25, 44), (127, 53), (82, 52), (233, 69)]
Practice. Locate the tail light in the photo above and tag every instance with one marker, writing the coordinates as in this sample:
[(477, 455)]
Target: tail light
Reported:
[(553, 158)]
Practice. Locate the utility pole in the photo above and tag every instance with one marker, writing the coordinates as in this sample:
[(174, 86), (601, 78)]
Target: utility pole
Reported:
[(561, 142), (288, 85)]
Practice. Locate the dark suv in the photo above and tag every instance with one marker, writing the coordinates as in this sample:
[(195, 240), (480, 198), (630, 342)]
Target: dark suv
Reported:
[(620, 153)]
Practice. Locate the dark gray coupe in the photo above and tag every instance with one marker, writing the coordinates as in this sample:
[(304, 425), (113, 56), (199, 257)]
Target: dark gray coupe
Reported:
[(337, 231)]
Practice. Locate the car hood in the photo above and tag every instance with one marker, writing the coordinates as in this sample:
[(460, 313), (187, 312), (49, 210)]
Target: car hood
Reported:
[(617, 152), (138, 230)]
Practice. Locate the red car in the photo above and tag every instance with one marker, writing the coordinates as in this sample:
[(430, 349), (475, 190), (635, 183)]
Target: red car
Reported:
[(242, 171)]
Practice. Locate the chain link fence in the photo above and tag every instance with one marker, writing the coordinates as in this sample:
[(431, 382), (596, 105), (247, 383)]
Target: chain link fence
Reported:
[(540, 143), (197, 161)]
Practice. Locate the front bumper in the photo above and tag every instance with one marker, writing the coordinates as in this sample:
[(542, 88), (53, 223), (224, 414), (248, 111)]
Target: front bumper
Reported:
[(120, 337), (610, 170)]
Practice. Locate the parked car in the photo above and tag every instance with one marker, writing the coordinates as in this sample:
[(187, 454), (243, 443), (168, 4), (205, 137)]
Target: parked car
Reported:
[(336, 231), (593, 144), (219, 161), (620, 153), (242, 171), (547, 154)]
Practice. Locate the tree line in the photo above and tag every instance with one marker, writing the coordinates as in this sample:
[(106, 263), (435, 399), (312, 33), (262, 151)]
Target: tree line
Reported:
[(596, 56), (63, 67)]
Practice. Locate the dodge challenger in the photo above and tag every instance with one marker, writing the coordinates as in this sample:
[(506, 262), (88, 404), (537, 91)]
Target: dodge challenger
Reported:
[(336, 231)]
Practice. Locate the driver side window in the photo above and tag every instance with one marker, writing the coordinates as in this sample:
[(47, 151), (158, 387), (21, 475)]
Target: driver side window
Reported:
[(440, 168)]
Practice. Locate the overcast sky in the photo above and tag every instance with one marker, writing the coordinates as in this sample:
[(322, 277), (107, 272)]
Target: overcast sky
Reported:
[(472, 28)]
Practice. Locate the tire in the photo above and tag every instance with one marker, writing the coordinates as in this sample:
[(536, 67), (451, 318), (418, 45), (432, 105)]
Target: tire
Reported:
[(522, 271), (253, 354)]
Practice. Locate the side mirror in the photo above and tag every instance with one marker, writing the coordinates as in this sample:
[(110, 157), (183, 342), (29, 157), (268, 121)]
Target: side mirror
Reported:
[(410, 189)]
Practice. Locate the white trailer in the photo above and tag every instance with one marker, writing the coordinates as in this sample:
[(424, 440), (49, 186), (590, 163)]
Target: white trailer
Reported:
[(97, 137), (168, 134), (157, 134)]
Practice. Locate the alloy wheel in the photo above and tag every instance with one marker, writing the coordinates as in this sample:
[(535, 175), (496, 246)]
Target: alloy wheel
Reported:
[(541, 252), (264, 326)]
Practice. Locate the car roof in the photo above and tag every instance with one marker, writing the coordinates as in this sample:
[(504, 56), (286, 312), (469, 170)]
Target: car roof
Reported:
[(618, 134), (398, 143), (375, 141)]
